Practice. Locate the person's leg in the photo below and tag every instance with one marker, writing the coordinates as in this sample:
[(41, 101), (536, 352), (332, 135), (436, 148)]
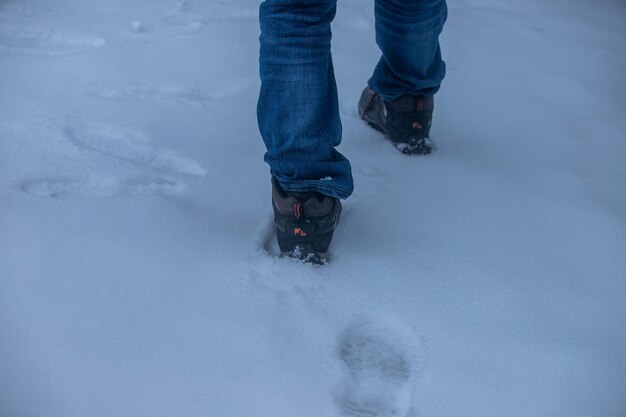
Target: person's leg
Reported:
[(407, 32), (297, 111), (399, 99)]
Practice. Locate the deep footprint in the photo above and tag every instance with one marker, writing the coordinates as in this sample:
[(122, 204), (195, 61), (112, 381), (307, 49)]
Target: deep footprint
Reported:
[(383, 359), (130, 146)]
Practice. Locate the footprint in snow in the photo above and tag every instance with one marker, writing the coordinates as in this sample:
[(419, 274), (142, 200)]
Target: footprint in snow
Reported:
[(147, 92), (382, 357), (118, 162), (166, 92), (131, 146), (20, 42), (100, 187)]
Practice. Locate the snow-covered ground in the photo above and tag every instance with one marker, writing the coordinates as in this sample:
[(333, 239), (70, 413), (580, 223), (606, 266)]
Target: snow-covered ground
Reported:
[(134, 213)]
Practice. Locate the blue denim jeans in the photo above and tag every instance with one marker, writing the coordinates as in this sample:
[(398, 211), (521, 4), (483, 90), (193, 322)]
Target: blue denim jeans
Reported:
[(298, 111)]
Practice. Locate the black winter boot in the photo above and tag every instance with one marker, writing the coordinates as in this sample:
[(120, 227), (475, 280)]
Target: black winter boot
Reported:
[(405, 121), (305, 222)]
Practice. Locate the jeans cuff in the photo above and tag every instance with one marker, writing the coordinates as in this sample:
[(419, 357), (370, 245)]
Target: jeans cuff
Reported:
[(329, 187)]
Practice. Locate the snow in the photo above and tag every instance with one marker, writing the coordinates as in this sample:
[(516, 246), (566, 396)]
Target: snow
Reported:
[(135, 220)]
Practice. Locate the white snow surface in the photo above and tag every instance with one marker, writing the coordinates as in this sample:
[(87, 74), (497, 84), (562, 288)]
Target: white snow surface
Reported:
[(135, 212)]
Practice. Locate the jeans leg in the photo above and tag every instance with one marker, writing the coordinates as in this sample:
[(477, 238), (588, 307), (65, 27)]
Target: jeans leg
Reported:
[(407, 32), (298, 110)]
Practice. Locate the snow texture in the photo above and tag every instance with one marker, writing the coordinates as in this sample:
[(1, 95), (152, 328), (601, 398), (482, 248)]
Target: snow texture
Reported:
[(382, 357), (138, 271)]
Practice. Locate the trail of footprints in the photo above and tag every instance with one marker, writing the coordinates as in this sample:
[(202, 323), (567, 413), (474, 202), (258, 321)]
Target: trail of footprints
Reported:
[(16, 40), (115, 161), (381, 357), (119, 162)]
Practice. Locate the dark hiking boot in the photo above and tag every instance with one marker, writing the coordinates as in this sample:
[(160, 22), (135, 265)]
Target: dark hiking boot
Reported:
[(405, 121), (305, 223)]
